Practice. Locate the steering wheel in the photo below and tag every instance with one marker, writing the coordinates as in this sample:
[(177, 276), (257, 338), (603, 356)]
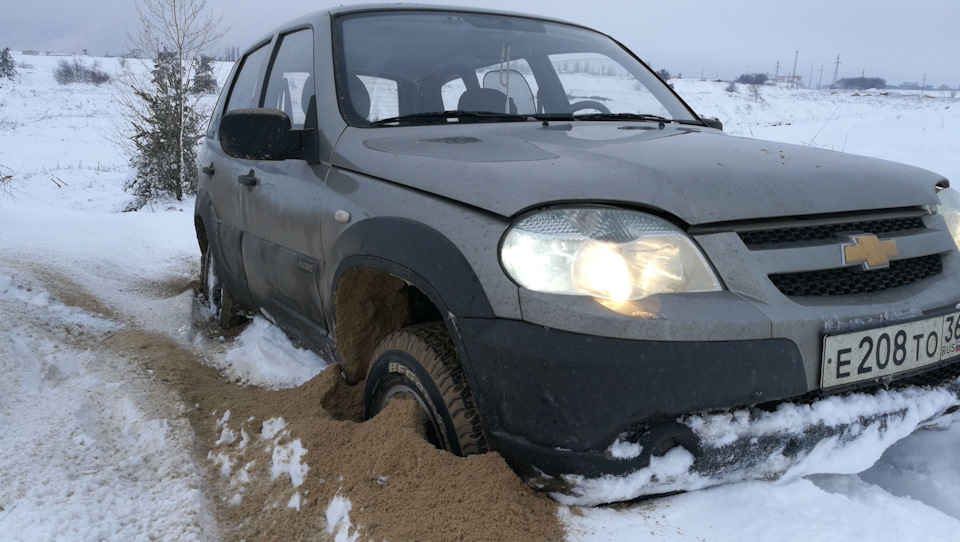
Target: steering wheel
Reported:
[(588, 104)]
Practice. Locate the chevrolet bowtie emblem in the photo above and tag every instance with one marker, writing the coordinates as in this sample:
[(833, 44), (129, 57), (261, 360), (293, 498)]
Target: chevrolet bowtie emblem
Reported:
[(869, 250)]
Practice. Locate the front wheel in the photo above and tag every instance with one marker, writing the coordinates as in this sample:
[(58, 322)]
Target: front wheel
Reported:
[(421, 361)]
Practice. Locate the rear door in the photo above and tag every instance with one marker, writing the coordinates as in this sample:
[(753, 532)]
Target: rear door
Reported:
[(222, 172)]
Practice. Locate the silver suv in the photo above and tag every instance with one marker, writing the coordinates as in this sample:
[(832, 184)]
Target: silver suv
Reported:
[(515, 221)]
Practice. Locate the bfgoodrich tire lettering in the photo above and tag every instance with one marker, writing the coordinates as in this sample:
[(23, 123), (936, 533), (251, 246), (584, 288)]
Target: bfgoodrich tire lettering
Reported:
[(421, 361)]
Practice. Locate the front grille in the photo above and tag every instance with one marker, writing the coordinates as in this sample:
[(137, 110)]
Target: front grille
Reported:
[(779, 236), (855, 280), (935, 377)]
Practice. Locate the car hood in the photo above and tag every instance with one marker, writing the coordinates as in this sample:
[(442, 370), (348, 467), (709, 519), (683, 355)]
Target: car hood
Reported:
[(699, 175)]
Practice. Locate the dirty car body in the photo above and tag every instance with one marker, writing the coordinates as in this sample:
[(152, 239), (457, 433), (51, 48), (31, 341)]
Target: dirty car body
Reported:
[(601, 262)]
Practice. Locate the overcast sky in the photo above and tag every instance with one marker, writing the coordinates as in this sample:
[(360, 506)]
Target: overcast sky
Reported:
[(899, 40)]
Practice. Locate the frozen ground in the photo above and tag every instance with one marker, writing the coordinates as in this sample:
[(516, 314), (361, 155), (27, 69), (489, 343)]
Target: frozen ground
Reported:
[(94, 444)]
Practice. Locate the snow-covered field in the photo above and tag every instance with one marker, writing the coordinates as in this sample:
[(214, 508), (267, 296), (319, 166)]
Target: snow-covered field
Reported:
[(102, 439)]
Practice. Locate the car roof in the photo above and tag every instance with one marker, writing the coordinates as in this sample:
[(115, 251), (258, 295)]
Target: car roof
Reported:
[(314, 16), (358, 8)]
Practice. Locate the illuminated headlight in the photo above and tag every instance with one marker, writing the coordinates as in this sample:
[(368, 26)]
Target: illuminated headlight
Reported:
[(950, 210), (606, 253)]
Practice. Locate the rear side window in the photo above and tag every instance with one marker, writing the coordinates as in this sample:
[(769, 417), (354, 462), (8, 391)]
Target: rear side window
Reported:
[(290, 82), (245, 84)]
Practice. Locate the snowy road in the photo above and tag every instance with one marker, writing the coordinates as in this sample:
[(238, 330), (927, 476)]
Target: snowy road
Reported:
[(94, 447)]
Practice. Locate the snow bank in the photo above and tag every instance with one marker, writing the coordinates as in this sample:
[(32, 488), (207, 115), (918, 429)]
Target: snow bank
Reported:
[(264, 356), (838, 435)]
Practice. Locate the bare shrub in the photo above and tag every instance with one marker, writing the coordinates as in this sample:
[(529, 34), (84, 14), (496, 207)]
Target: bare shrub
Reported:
[(6, 179), (75, 71)]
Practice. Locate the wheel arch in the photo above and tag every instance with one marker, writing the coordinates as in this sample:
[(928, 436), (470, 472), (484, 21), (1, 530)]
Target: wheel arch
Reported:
[(203, 221), (209, 230), (393, 273)]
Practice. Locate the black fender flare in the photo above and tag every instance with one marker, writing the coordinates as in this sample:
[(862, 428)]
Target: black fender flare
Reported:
[(205, 216), (416, 253)]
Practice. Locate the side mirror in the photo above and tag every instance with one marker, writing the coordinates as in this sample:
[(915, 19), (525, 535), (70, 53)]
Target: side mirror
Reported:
[(713, 123), (259, 134)]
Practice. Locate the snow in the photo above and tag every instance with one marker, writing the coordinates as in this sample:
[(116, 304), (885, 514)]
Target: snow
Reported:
[(288, 459), (839, 435), (94, 447), (338, 519), (84, 455), (625, 450), (829, 508), (263, 356)]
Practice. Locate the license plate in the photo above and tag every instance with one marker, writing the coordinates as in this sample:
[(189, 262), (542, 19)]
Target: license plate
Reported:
[(879, 352)]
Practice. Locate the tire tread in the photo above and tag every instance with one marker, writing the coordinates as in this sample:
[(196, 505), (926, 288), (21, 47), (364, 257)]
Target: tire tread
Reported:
[(430, 344)]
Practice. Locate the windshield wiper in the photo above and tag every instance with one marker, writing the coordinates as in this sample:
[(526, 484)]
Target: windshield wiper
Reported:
[(435, 116), (623, 116), (489, 116)]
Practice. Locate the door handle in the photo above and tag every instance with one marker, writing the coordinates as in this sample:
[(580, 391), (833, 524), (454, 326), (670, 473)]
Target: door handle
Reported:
[(248, 180), (208, 170)]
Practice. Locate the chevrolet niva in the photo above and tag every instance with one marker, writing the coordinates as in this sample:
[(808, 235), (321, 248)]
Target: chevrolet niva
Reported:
[(513, 220)]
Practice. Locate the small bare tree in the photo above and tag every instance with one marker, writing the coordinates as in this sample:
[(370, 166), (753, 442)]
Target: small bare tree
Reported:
[(163, 113), (6, 179)]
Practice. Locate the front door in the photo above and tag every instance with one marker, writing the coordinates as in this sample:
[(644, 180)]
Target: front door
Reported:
[(282, 251)]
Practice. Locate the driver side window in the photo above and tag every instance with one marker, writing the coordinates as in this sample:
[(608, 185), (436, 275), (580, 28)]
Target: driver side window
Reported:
[(244, 85)]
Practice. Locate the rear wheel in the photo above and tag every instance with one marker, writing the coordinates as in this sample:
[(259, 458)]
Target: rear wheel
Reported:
[(218, 298), (421, 362)]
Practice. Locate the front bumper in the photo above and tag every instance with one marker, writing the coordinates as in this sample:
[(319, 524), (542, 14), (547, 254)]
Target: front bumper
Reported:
[(560, 390), (554, 403)]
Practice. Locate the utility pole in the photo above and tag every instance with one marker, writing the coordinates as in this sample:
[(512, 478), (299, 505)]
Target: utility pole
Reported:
[(810, 80), (836, 72), (819, 82), (776, 78), (793, 75)]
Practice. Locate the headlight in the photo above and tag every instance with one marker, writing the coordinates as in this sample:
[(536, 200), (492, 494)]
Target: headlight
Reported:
[(950, 210), (606, 253)]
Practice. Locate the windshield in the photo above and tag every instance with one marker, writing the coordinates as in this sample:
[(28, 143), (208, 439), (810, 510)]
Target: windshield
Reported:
[(434, 67)]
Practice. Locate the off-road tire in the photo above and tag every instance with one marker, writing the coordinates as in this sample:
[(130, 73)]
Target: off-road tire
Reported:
[(215, 293), (421, 361)]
